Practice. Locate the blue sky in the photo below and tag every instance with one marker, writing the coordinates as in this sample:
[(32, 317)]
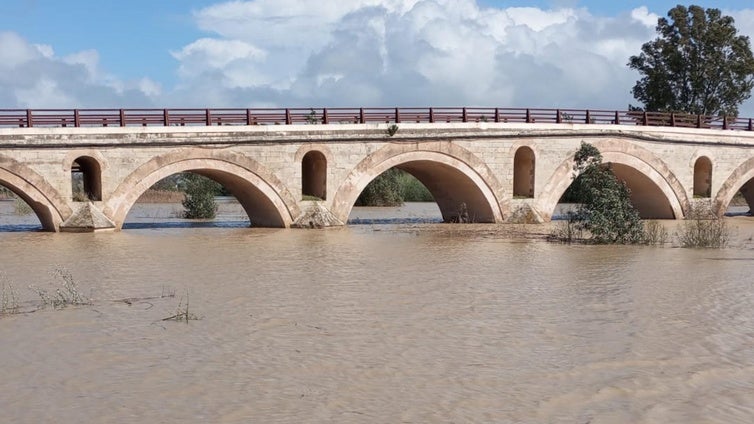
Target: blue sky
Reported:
[(261, 52)]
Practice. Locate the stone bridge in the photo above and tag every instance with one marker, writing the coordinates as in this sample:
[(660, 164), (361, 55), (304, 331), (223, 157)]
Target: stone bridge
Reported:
[(495, 168)]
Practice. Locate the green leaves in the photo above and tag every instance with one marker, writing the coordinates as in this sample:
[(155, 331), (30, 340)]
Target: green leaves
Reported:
[(200, 197), (698, 64), (606, 211)]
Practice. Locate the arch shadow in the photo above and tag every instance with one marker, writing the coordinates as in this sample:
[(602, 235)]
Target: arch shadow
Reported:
[(265, 199), (453, 176)]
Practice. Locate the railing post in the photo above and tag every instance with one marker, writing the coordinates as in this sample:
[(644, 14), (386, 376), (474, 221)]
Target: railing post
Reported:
[(431, 115), (699, 121), (165, 117), (325, 119), (248, 117), (497, 114), (362, 119), (207, 117), (288, 118), (645, 119), (464, 115), (29, 122), (397, 116), (617, 118), (558, 119), (725, 122), (751, 124), (121, 117), (76, 118), (528, 116), (588, 118), (672, 119)]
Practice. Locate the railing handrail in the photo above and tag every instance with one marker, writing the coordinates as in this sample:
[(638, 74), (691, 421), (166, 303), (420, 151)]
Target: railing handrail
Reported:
[(103, 117)]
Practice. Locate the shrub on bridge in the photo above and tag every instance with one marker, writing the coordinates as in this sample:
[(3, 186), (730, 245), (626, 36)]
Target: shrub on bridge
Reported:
[(200, 197)]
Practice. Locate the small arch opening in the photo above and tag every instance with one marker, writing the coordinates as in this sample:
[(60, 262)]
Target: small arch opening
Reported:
[(86, 179), (703, 177), (523, 173), (314, 176)]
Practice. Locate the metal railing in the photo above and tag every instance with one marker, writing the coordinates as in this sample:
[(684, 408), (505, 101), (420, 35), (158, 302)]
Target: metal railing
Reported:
[(58, 118)]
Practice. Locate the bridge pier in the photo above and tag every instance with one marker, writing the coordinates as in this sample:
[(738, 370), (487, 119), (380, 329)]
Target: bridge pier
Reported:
[(87, 218)]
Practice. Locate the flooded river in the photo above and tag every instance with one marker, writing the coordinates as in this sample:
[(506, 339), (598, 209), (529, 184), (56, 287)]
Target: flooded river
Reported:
[(374, 323)]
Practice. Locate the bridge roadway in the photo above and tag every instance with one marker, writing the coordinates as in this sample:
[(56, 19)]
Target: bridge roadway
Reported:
[(497, 169)]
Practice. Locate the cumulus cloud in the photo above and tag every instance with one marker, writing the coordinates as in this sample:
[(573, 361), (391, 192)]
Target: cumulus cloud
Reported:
[(33, 76), (362, 52), (416, 52)]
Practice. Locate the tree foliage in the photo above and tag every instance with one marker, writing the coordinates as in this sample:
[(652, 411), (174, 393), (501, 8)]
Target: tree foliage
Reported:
[(606, 211), (385, 190), (200, 196), (698, 64)]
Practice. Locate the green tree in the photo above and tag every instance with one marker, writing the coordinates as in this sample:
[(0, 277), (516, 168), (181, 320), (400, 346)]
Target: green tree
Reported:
[(385, 190), (200, 196), (698, 64), (606, 210)]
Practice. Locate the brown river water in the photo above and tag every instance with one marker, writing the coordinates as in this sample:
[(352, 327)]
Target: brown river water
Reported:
[(379, 322)]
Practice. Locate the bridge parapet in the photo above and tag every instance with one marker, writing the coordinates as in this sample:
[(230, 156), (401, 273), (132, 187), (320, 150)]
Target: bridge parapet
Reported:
[(27, 118)]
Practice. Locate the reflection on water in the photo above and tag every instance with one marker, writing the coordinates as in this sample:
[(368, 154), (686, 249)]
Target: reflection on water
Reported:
[(378, 323)]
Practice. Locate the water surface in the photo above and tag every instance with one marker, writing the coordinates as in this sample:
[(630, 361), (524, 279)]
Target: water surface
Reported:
[(377, 323)]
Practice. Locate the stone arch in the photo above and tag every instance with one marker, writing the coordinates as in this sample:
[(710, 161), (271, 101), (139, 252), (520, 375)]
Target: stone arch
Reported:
[(524, 166), (314, 175), (451, 173), (702, 177), (635, 165), (264, 198), (86, 170), (742, 178), (43, 199)]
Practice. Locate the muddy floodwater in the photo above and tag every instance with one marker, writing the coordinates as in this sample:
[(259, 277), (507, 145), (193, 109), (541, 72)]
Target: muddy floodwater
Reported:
[(378, 322)]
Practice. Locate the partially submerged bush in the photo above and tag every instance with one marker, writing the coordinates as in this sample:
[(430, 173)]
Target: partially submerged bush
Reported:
[(182, 312), (67, 294), (605, 211), (654, 233), (701, 230), (200, 197), (8, 298)]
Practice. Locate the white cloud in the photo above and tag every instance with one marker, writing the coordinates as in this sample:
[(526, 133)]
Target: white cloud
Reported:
[(362, 52), (643, 15), (418, 52), (32, 76)]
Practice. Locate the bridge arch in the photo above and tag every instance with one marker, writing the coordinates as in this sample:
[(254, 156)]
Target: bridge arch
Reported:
[(451, 173), (742, 178), (264, 198), (663, 195), (43, 199)]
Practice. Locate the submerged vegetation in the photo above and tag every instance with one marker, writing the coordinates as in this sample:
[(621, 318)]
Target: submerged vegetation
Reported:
[(701, 231), (392, 188), (67, 293), (200, 196), (605, 213)]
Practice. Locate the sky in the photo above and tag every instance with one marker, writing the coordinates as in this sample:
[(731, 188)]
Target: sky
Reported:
[(319, 53)]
